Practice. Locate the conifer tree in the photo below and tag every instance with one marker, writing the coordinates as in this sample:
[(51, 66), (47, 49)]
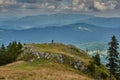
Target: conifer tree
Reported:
[(13, 50), (20, 45), (112, 56), (10, 53), (2, 55), (97, 59), (2, 49)]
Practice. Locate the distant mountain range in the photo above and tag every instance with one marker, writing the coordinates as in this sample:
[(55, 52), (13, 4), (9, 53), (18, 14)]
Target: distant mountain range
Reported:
[(77, 29), (104, 22), (71, 34), (41, 21), (59, 19)]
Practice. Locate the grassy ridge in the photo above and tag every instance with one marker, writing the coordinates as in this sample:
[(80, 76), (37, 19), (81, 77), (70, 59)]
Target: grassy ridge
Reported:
[(49, 69), (58, 48), (40, 70)]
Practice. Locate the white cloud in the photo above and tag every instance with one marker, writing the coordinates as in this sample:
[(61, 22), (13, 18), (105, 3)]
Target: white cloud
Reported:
[(93, 5), (105, 5), (75, 5), (23, 27), (84, 29), (8, 2), (99, 5)]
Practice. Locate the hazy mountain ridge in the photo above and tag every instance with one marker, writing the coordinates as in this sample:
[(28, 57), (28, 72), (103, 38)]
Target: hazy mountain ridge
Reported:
[(58, 19), (71, 34), (41, 21), (104, 22)]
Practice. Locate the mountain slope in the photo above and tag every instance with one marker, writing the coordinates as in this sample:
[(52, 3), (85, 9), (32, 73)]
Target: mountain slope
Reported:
[(68, 55), (42, 70), (52, 61)]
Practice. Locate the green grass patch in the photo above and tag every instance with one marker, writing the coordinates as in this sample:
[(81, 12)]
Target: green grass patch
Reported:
[(29, 65)]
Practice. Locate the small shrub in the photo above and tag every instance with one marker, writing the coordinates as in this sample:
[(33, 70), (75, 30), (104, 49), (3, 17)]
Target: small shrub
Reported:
[(103, 75), (91, 67)]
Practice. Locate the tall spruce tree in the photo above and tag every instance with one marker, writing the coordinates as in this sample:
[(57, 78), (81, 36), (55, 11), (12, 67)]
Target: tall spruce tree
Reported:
[(112, 56)]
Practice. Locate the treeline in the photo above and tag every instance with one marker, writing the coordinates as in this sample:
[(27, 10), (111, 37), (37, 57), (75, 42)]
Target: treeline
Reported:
[(10, 53), (112, 59)]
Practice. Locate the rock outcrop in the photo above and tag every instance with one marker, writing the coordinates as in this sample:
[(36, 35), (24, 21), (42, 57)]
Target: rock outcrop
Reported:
[(61, 58)]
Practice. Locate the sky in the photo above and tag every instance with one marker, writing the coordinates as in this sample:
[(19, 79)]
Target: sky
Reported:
[(31, 7)]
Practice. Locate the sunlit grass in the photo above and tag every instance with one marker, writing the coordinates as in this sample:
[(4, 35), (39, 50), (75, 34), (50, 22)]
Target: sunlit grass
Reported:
[(40, 70)]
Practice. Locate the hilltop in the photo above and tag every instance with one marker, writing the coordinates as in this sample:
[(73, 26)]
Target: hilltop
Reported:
[(49, 61)]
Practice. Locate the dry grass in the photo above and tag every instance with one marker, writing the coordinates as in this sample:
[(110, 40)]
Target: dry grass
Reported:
[(8, 74), (53, 74), (41, 71)]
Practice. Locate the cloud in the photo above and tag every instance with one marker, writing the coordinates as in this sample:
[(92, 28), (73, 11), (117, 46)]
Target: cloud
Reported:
[(23, 27), (105, 5), (93, 5), (99, 5), (84, 29), (74, 5), (29, 3)]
